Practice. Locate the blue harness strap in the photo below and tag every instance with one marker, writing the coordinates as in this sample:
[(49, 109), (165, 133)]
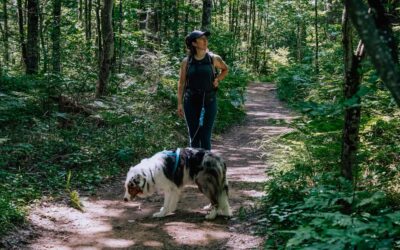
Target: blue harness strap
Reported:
[(177, 157)]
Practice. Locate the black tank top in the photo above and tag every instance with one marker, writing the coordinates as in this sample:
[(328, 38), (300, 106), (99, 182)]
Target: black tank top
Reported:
[(200, 74)]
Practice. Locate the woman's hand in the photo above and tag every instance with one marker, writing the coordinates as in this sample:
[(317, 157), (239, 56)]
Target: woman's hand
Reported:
[(216, 82), (180, 112)]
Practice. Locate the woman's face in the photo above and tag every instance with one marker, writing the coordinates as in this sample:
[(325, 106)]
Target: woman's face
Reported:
[(201, 42)]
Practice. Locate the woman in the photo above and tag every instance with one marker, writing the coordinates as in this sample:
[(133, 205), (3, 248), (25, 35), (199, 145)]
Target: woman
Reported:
[(197, 88)]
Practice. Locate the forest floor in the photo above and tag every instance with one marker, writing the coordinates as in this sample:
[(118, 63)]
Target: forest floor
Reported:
[(110, 223)]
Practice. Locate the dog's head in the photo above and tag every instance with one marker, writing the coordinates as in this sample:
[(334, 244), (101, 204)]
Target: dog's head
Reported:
[(134, 184)]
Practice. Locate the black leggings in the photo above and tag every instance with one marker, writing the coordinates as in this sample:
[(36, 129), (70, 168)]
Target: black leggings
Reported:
[(200, 137)]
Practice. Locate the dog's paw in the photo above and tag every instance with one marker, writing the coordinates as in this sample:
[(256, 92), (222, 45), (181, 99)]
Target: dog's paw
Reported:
[(225, 212), (211, 215), (208, 207), (159, 214)]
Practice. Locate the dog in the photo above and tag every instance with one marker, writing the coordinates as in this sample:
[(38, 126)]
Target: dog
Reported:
[(170, 171)]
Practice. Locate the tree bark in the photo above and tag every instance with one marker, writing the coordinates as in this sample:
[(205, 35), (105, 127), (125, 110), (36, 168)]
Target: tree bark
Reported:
[(206, 17), (352, 79), (108, 47), (99, 36), (80, 10), (375, 46), (88, 20), (6, 33), (32, 51), (21, 33), (55, 37), (42, 41), (384, 25), (121, 13), (316, 37)]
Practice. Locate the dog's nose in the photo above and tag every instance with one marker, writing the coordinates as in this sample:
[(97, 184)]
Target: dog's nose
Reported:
[(126, 199)]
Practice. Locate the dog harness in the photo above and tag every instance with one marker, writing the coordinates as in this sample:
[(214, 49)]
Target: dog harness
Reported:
[(176, 154)]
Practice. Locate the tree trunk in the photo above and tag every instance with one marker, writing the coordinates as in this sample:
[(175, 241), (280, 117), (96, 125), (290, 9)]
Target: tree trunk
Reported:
[(55, 37), (21, 33), (121, 13), (108, 49), (206, 18), (98, 38), (42, 41), (80, 10), (299, 41), (384, 25), (160, 12), (175, 27), (88, 20), (353, 111), (32, 51), (6, 33), (375, 46), (142, 15), (316, 37)]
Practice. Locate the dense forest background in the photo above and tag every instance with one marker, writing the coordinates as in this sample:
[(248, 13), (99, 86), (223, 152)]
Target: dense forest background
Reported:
[(89, 86)]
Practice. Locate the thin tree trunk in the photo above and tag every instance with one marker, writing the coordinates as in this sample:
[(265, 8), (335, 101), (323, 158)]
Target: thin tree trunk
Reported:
[(6, 33), (108, 49), (80, 10), (120, 37), (186, 23), (175, 10), (378, 50), (90, 20), (99, 37), (352, 114), (21, 32), (86, 21), (160, 11), (42, 41), (55, 37), (252, 32), (316, 37), (298, 41), (32, 51), (206, 17), (266, 42)]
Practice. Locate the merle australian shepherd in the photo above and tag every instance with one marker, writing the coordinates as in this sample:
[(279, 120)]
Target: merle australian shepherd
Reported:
[(170, 171)]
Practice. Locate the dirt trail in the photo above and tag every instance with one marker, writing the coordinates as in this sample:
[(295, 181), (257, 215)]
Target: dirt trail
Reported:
[(110, 223)]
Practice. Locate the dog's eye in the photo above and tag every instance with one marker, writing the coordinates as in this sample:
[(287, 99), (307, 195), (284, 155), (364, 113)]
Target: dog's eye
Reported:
[(137, 180)]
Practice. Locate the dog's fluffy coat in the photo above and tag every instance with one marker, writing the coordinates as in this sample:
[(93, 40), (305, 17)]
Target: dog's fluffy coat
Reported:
[(198, 166)]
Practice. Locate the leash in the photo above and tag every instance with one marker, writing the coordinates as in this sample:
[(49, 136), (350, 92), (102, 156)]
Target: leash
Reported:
[(177, 157), (201, 119)]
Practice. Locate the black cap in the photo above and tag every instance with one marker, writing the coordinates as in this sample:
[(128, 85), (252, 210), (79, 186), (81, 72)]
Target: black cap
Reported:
[(194, 35)]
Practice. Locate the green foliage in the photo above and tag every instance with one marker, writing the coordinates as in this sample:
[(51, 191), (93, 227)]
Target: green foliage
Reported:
[(10, 215), (75, 200), (293, 82), (231, 100), (309, 206), (332, 213)]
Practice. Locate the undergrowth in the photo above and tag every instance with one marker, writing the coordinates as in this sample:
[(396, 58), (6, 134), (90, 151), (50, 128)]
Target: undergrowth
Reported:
[(308, 204)]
